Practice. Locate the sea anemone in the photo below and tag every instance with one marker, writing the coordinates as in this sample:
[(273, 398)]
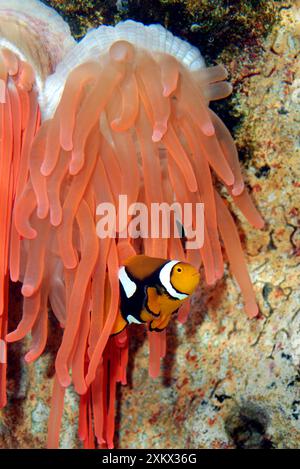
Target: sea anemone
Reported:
[(124, 111), (33, 40)]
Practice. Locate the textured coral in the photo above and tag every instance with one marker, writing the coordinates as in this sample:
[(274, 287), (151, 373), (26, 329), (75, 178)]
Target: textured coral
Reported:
[(212, 25), (227, 382)]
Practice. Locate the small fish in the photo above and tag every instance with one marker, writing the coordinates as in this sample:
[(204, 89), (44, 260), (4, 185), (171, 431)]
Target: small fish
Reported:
[(152, 290)]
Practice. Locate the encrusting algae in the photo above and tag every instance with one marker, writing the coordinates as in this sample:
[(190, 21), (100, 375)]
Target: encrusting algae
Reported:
[(124, 111)]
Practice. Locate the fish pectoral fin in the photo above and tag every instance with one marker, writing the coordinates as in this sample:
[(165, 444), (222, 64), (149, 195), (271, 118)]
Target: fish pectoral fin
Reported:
[(160, 323), (153, 301)]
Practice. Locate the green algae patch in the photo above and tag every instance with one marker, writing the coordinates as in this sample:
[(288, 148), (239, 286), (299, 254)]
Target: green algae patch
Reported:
[(83, 15)]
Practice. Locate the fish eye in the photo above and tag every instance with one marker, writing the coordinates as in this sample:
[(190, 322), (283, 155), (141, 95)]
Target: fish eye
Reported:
[(179, 269)]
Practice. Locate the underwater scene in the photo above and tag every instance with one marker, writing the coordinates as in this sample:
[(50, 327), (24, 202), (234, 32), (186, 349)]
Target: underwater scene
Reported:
[(149, 224)]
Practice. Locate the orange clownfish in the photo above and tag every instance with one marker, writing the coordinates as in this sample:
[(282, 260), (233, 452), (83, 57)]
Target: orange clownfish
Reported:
[(152, 289)]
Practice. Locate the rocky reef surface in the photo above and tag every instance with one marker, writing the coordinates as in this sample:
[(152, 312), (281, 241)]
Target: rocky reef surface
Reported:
[(227, 382)]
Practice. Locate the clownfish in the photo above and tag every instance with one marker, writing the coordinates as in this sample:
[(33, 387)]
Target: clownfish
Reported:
[(152, 289)]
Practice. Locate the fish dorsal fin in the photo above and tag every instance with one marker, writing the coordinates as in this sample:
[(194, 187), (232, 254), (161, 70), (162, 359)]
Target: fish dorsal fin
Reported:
[(141, 266)]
